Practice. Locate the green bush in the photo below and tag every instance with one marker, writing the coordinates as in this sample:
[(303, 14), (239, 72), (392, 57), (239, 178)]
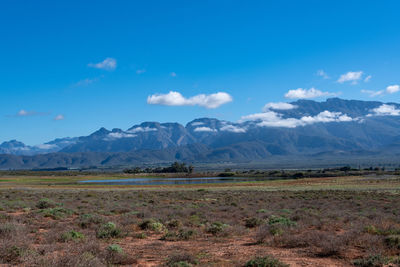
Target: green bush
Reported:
[(181, 260), (45, 203), (108, 230), (216, 228), (72, 235), (273, 220), (152, 225), (393, 241), (267, 261), (115, 249), (174, 224), (56, 213), (181, 235), (252, 222), (371, 261), (86, 220)]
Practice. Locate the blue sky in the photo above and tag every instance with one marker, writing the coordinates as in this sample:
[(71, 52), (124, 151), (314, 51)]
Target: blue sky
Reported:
[(70, 67)]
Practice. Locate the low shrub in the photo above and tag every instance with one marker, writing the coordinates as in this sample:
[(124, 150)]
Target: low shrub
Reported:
[(45, 203), (72, 236), (11, 254), (116, 255), (273, 220), (7, 230), (216, 228), (56, 213), (152, 225), (371, 261), (181, 235), (108, 230), (267, 261), (87, 220), (174, 224), (393, 241), (181, 260), (115, 249), (252, 222)]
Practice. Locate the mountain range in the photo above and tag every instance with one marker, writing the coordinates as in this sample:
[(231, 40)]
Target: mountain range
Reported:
[(301, 129)]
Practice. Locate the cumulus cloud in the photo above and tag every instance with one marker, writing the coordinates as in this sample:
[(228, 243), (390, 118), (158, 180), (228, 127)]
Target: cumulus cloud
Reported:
[(385, 110), (176, 99), (278, 106), (232, 129), (274, 119), (204, 129), (351, 76), (301, 93), (107, 64), (59, 117), (322, 74), (368, 78), (142, 130), (391, 89)]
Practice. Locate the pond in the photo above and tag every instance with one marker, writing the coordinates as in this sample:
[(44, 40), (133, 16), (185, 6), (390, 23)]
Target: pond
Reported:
[(174, 181)]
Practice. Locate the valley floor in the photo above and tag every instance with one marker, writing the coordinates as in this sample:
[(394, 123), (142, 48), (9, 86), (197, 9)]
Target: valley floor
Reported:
[(346, 221)]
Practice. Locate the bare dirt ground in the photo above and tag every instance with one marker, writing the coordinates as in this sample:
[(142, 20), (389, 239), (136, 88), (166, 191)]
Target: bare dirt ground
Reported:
[(228, 252)]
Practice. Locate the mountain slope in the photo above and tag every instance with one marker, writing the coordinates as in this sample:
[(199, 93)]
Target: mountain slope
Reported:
[(304, 128)]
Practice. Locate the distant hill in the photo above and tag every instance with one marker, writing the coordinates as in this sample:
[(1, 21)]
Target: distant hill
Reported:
[(306, 129)]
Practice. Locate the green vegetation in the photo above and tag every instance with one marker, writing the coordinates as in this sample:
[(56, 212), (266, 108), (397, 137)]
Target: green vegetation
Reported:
[(109, 230), (346, 220), (175, 167), (267, 261), (72, 236)]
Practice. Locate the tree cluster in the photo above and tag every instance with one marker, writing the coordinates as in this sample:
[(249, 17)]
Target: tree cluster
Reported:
[(175, 167)]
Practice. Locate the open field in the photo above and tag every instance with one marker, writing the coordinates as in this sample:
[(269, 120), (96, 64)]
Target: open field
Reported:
[(336, 221)]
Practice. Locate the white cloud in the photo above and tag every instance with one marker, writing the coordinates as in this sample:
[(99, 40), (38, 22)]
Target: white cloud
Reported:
[(25, 113), (46, 146), (172, 74), (301, 93), (107, 64), (120, 135), (278, 106), (142, 130), (59, 117), (372, 93), (391, 89), (176, 99), (385, 110), (141, 71), (368, 78), (197, 123), (233, 129), (274, 119), (351, 76), (86, 82), (323, 74), (204, 129)]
